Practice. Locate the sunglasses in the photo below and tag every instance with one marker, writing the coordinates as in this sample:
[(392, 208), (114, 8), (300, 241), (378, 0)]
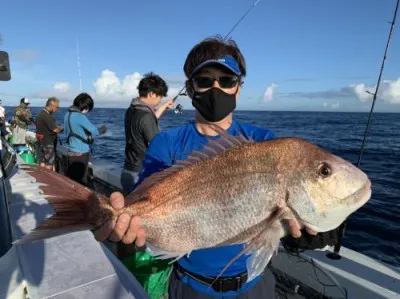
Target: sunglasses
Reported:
[(224, 82)]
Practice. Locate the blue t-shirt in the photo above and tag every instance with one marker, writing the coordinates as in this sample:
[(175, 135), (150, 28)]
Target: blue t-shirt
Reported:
[(79, 121), (172, 145)]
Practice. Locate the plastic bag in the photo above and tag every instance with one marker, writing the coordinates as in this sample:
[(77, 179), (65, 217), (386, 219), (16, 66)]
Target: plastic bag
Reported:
[(151, 273)]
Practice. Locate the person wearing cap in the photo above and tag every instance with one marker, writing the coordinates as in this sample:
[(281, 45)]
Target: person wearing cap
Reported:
[(214, 69), (22, 118)]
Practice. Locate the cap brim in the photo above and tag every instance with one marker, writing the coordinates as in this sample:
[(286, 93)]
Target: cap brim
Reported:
[(213, 62)]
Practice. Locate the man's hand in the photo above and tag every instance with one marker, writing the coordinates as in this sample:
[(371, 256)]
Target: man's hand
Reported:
[(169, 104), (58, 130), (102, 129), (126, 228), (309, 239), (294, 228)]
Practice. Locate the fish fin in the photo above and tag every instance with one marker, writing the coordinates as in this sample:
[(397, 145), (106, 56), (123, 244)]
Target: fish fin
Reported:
[(141, 191), (209, 150), (163, 254), (71, 202), (262, 253), (55, 180), (215, 146), (261, 246), (237, 139)]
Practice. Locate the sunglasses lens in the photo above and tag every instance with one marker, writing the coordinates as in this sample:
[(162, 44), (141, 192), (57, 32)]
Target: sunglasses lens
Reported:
[(227, 82), (204, 82), (224, 82)]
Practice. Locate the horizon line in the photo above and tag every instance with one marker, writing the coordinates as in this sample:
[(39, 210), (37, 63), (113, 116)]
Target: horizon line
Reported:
[(245, 110)]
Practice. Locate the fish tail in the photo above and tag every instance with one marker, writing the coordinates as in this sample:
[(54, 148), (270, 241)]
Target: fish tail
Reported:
[(69, 217), (74, 206)]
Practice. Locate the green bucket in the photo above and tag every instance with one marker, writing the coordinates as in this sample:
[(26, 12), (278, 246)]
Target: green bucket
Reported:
[(10, 139), (151, 273), (28, 158)]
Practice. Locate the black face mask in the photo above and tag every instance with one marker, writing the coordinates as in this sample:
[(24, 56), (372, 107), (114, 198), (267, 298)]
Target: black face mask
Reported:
[(214, 104)]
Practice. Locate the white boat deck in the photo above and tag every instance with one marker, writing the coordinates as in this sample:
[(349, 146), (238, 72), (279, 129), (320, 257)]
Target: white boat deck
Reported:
[(69, 266), (354, 275)]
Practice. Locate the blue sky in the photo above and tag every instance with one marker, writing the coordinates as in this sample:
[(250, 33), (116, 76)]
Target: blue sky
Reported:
[(301, 55)]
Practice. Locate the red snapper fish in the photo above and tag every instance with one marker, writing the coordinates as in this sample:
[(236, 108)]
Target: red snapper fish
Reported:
[(233, 191)]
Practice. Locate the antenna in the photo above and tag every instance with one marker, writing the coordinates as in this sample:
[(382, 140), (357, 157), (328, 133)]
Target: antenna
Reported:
[(178, 108), (79, 63), (341, 230)]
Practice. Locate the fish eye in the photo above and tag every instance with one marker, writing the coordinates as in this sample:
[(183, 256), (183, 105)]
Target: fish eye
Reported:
[(324, 170)]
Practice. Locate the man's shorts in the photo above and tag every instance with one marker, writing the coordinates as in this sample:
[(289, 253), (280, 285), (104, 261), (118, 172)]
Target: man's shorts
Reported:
[(46, 153)]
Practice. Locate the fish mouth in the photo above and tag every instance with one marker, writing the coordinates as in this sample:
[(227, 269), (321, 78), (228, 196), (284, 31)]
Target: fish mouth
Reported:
[(349, 204), (359, 197)]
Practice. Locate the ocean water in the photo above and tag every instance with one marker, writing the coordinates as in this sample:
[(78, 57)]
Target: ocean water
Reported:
[(373, 230)]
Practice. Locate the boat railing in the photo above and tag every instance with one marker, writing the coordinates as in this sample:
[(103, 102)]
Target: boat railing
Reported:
[(8, 161)]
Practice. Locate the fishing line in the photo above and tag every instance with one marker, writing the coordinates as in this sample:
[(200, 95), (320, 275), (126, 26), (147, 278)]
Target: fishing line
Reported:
[(315, 266), (335, 254), (182, 92)]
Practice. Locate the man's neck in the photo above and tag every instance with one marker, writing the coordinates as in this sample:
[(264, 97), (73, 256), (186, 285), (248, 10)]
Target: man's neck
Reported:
[(47, 110), (206, 128), (145, 101)]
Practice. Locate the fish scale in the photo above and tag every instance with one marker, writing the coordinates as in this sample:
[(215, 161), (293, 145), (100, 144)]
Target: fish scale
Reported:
[(227, 219), (234, 191)]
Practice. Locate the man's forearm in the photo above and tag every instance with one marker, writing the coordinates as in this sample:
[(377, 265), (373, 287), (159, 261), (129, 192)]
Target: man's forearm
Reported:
[(160, 111)]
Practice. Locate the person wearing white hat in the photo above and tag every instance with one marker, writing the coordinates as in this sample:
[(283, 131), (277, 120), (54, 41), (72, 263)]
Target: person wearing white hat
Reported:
[(22, 118)]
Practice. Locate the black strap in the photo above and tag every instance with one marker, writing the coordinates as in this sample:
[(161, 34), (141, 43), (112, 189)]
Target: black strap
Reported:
[(71, 133), (222, 284)]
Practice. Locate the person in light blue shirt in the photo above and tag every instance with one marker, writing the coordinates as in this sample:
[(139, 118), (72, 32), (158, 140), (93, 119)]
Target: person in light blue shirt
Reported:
[(214, 69), (80, 132)]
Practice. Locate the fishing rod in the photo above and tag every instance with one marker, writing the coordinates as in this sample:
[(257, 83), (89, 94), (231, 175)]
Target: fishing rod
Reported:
[(182, 92), (335, 254)]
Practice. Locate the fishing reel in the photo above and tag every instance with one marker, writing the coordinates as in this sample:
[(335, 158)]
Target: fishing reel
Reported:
[(178, 109)]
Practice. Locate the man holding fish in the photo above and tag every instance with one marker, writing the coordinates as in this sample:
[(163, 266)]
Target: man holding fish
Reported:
[(215, 69)]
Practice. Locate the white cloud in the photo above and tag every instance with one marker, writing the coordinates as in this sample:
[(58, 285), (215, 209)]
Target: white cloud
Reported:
[(269, 92), (332, 106), (108, 85), (62, 90), (108, 90), (389, 91), (62, 86), (336, 105)]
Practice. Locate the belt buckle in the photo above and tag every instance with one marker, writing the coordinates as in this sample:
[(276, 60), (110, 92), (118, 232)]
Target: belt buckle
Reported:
[(218, 286), (239, 283), (228, 284)]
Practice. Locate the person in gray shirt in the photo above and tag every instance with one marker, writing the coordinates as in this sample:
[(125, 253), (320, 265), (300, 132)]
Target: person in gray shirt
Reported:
[(141, 125)]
